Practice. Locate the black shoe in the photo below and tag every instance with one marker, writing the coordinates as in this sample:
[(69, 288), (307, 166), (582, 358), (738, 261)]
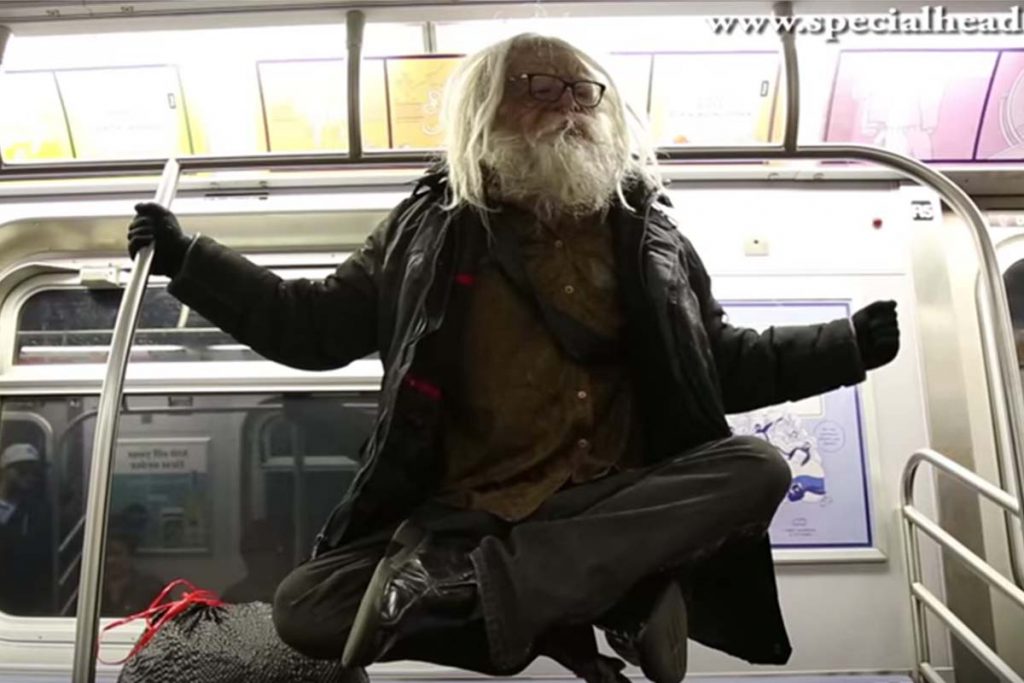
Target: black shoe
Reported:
[(602, 669), (575, 648), (657, 643), (418, 585)]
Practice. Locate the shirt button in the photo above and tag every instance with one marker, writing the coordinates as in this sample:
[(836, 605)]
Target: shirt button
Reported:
[(583, 444), (559, 244), (581, 395), (569, 289)]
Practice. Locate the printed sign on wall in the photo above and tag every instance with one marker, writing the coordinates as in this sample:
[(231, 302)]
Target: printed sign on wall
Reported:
[(822, 439), (160, 493), (925, 104)]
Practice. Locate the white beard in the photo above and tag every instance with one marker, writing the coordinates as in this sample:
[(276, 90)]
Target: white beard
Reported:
[(569, 172)]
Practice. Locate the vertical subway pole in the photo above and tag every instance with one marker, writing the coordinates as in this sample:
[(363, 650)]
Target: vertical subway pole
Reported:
[(792, 78), (101, 468), (5, 35), (355, 21)]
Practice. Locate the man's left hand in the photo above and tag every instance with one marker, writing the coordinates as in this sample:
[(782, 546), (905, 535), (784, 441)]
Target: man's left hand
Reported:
[(878, 333)]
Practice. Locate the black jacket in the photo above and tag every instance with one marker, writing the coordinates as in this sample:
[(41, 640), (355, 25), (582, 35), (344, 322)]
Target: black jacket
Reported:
[(400, 295)]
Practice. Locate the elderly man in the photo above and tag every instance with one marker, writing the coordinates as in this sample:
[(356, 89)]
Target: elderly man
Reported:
[(551, 452)]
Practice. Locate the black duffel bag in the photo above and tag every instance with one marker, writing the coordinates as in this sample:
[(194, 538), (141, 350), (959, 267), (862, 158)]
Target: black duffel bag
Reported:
[(199, 639)]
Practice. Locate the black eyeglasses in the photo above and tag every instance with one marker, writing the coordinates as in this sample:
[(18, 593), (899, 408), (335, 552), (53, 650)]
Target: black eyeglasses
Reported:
[(547, 88)]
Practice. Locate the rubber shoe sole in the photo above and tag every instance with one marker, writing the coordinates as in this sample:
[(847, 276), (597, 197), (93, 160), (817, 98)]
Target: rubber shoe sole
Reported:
[(661, 646), (362, 646)]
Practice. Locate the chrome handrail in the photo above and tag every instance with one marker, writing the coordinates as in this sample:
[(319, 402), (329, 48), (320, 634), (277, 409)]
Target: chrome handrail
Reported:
[(921, 597), (100, 470)]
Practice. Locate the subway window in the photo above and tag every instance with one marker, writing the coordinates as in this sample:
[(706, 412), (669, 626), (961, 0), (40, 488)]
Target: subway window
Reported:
[(74, 325), (225, 490)]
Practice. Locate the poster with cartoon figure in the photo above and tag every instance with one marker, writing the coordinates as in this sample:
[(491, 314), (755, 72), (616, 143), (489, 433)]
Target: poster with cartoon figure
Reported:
[(821, 437)]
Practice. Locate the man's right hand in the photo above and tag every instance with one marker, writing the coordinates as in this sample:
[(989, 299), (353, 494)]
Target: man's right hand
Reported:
[(156, 225)]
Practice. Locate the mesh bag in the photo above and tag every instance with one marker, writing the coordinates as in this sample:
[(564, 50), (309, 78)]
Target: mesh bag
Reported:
[(200, 639)]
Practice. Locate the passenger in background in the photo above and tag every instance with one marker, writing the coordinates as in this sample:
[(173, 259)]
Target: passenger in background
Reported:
[(26, 551), (126, 589), (267, 558), (1013, 279), (551, 452)]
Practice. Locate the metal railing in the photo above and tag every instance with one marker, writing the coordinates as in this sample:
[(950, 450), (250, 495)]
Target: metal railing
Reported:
[(101, 469), (921, 598)]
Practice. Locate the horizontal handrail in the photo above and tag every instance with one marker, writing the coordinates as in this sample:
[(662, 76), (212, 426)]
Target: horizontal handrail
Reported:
[(954, 469), (968, 637), (976, 564), (920, 596)]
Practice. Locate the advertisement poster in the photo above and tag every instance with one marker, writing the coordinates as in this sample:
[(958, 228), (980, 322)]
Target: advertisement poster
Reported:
[(925, 104), (415, 91), (1002, 129), (125, 113), (822, 439), (305, 105), (714, 98), (160, 494), (32, 122)]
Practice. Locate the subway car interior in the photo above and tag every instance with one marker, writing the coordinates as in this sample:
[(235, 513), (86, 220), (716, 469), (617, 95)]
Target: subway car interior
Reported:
[(877, 152)]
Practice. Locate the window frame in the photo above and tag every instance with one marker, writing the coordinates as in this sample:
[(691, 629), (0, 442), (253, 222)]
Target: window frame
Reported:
[(157, 376)]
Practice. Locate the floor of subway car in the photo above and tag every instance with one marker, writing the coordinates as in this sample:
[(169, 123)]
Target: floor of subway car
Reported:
[(832, 678)]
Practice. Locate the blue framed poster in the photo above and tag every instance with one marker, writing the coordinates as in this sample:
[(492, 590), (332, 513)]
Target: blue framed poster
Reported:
[(822, 439)]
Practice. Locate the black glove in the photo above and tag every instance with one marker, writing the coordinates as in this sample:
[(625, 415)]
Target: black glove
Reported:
[(156, 225), (878, 334)]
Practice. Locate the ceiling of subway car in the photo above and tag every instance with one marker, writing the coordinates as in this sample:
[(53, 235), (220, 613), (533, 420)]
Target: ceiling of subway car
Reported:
[(52, 11)]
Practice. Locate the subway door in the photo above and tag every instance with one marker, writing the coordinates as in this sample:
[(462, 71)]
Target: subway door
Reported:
[(809, 255), (999, 537)]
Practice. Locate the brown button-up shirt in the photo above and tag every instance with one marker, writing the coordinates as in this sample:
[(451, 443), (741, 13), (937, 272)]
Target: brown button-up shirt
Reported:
[(525, 419)]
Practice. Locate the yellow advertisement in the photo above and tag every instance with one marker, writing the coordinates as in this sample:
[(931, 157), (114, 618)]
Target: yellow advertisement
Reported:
[(32, 124), (305, 105), (714, 98), (126, 113), (415, 89), (225, 115), (375, 124)]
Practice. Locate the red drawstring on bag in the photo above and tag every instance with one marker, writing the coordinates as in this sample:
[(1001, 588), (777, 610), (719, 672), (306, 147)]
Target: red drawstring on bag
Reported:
[(170, 611)]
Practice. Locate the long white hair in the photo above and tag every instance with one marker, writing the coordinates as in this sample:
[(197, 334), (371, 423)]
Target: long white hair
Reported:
[(471, 102)]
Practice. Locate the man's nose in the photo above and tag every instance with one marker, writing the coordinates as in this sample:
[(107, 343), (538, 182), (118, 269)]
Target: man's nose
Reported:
[(566, 102)]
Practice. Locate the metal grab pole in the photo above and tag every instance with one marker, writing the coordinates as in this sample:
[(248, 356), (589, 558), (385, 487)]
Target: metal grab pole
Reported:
[(791, 73), (98, 503)]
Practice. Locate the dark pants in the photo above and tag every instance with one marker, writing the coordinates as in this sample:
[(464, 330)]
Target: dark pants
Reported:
[(569, 563)]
